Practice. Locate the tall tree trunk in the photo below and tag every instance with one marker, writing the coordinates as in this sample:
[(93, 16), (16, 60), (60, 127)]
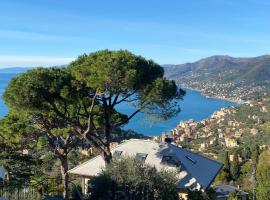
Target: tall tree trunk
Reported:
[(65, 176), (107, 156), (108, 131)]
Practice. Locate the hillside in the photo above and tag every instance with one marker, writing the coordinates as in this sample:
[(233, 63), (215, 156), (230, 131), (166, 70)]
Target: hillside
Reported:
[(224, 76), (241, 131)]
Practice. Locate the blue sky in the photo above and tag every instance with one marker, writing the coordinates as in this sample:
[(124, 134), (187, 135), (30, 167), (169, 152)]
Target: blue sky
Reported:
[(52, 32)]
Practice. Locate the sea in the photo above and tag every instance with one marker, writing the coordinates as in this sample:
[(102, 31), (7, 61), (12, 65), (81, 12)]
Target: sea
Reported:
[(193, 106)]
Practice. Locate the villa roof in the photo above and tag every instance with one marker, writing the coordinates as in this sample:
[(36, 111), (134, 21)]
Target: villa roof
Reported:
[(196, 171)]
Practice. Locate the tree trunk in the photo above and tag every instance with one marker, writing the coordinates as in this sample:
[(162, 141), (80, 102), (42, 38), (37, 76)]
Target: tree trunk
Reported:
[(65, 176), (107, 156), (108, 131)]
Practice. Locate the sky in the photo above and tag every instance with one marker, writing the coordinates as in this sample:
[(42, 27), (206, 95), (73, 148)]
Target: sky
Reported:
[(55, 32)]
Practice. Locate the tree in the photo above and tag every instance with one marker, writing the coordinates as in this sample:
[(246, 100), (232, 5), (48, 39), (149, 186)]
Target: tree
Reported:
[(246, 153), (82, 99), (263, 176), (245, 176), (129, 178), (224, 176), (233, 195), (235, 168), (255, 154), (40, 95), (211, 194), (117, 77), (195, 195), (226, 162), (20, 166)]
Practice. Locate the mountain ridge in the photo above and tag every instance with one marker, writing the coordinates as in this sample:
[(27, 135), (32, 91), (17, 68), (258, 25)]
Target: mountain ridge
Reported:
[(223, 76)]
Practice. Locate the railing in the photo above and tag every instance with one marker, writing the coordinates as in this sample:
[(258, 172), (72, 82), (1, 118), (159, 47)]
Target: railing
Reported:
[(50, 187), (19, 193)]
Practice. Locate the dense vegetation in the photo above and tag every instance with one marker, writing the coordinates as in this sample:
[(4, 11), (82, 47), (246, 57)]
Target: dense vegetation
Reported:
[(129, 178)]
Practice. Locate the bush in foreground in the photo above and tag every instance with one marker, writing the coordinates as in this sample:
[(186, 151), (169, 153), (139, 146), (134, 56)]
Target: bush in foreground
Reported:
[(129, 178)]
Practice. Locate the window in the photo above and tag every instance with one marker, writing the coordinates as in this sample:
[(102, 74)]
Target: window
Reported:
[(117, 154), (169, 160), (166, 158), (141, 156)]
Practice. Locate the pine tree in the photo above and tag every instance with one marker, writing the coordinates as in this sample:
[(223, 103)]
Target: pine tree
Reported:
[(226, 162), (235, 168), (224, 176)]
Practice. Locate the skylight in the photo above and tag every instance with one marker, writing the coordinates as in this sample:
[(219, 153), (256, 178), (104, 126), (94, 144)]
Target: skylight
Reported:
[(141, 156), (117, 154), (169, 160)]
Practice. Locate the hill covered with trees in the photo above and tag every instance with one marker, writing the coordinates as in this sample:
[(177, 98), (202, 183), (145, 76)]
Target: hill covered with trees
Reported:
[(224, 76)]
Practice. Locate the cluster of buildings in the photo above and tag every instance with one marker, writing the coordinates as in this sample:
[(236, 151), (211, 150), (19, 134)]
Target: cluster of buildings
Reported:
[(222, 128), (236, 92)]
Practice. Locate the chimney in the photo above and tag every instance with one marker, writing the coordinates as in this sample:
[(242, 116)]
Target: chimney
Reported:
[(168, 140)]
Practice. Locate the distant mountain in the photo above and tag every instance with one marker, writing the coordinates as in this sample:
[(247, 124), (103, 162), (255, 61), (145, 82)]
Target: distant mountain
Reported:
[(224, 76), (17, 70)]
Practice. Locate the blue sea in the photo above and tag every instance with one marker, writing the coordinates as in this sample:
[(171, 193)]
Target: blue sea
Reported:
[(194, 106)]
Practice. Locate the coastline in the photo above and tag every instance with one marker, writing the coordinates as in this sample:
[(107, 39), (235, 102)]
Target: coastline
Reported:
[(212, 97)]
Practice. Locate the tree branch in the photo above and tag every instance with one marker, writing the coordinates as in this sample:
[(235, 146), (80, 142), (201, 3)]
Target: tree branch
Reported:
[(90, 114), (126, 97), (130, 117), (118, 124)]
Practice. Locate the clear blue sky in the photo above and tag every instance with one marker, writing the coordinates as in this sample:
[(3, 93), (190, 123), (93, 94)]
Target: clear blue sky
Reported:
[(46, 32)]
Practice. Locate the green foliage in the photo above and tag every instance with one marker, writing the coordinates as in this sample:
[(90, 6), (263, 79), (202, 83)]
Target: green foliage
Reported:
[(65, 105), (265, 128), (117, 70), (36, 89), (20, 168), (235, 167), (16, 129), (223, 177), (245, 176), (49, 98), (255, 154), (263, 176), (15, 137), (226, 161), (100, 187), (135, 79), (83, 97), (195, 195), (246, 153), (233, 196), (211, 194), (128, 177)]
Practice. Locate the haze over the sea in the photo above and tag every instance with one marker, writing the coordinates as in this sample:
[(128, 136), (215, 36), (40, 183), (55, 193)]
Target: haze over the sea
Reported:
[(194, 106)]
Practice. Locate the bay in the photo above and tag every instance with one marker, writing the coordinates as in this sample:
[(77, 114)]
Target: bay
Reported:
[(194, 106)]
